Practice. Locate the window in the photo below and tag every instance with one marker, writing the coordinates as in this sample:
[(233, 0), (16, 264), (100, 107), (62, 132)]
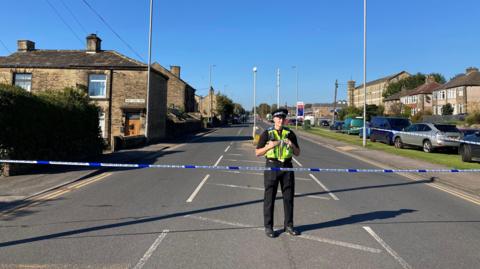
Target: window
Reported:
[(451, 93), (97, 85), (441, 95), (460, 91), (23, 80), (101, 123)]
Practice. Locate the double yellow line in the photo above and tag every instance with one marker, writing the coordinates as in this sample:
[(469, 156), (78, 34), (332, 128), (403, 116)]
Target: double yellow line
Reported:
[(50, 195)]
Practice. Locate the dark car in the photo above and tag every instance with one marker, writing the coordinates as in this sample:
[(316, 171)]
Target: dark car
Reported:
[(470, 151), (324, 123), (382, 128), (338, 125)]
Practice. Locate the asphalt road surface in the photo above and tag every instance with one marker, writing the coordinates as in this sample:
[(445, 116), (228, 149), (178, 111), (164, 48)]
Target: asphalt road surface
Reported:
[(174, 218)]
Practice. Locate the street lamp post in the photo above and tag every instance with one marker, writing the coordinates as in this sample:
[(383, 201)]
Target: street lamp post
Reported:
[(296, 102), (254, 100), (364, 73)]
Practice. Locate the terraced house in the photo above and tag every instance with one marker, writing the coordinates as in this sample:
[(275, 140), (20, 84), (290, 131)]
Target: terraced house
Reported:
[(420, 98), (116, 83), (462, 92)]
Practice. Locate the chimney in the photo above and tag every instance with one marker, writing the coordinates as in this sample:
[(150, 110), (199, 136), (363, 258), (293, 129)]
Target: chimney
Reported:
[(93, 43), (175, 69), (429, 79), (471, 69), (25, 45)]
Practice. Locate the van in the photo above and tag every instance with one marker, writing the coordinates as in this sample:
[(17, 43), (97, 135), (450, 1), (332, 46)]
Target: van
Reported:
[(383, 128)]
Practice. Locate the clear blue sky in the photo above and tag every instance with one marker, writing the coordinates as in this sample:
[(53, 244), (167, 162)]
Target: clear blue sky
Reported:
[(324, 38)]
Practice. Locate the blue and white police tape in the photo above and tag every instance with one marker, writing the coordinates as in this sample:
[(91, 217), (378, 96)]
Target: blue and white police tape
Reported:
[(242, 168), (437, 136)]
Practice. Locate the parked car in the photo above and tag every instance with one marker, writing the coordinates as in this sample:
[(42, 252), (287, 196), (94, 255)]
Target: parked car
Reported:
[(429, 136), (355, 126), (324, 123), (470, 151), (466, 132), (337, 126), (387, 125), (368, 131)]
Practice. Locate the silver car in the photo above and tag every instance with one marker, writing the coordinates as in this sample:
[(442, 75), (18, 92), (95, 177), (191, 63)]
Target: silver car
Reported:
[(429, 136)]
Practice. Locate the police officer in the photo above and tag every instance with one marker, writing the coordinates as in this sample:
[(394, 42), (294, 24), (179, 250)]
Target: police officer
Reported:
[(278, 144)]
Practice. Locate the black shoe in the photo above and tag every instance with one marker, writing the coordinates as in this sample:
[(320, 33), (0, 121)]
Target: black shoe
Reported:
[(269, 232), (291, 231)]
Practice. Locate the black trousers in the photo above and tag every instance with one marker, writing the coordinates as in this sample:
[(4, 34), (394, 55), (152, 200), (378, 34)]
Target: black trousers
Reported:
[(287, 185)]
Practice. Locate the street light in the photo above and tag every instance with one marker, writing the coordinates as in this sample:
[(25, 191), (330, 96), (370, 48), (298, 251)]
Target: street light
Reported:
[(210, 92), (296, 104), (254, 100), (364, 73)]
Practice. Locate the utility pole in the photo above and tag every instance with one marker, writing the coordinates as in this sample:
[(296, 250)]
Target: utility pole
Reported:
[(210, 93), (335, 102), (278, 88), (364, 73)]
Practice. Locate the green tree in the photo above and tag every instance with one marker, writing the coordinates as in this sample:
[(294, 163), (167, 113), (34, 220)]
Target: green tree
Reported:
[(225, 106), (410, 83), (407, 112), (447, 109), (263, 109), (238, 109), (350, 111)]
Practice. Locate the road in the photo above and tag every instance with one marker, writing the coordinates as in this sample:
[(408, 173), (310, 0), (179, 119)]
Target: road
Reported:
[(151, 218)]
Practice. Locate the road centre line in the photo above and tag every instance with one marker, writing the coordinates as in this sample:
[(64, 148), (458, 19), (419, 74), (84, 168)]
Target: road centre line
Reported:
[(295, 160), (227, 148), (394, 254), (262, 189), (239, 131), (459, 194), (218, 161), (152, 249), (303, 236), (324, 187), (192, 196), (234, 154)]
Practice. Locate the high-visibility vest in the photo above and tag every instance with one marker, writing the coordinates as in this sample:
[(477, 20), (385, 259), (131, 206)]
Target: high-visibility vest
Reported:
[(282, 151)]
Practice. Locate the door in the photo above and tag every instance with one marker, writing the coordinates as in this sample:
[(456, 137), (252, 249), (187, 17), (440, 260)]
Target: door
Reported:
[(133, 124), (406, 137)]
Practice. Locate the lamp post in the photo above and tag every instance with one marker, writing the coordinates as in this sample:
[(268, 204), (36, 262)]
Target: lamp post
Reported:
[(254, 100), (210, 92), (364, 73), (296, 102)]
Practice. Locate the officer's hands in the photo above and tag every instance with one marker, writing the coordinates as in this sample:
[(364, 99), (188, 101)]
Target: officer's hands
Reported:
[(273, 144), (288, 142)]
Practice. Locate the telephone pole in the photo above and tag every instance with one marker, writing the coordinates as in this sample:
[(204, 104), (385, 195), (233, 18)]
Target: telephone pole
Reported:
[(335, 102)]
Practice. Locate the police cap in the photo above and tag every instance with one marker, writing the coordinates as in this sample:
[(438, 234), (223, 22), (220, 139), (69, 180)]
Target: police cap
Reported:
[(281, 112)]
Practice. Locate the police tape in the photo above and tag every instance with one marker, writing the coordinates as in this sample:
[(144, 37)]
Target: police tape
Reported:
[(241, 168), (437, 137)]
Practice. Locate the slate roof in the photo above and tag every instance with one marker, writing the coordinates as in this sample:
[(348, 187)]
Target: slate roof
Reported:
[(167, 72), (469, 79), (70, 59), (387, 78), (426, 88)]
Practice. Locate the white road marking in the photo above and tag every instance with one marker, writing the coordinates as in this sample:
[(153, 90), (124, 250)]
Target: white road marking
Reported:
[(150, 251), (234, 154), (190, 199), (227, 148), (299, 164), (303, 236), (248, 161), (399, 259), (218, 161), (260, 174), (262, 189), (324, 187), (239, 131)]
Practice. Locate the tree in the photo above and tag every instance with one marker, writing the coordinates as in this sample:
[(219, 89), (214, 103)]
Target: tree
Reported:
[(273, 108), (238, 109), (447, 109), (374, 110), (263, 109), (350, 111), (225, 106), (396, 109), (407, 112), (411, 82)]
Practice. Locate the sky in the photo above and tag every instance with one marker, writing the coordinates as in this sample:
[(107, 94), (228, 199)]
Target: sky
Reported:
[(322, 38)]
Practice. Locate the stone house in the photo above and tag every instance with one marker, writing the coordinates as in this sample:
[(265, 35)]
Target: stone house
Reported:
[(207, 105), (116, 83), (180, 94), (374, 89), (420, 98), (462, 92)]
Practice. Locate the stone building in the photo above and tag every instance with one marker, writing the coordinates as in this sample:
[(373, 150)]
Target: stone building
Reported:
[(207, 105), (462, 92), (374, 90), (116, 83), (420, 98), (180, 94)]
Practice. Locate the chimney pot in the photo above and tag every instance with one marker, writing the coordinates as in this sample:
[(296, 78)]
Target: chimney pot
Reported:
[(93, 43), (25, 45), (471, 69)]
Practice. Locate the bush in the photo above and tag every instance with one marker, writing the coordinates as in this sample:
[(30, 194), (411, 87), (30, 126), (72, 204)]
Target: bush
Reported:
[(473, 118), (60, 125)]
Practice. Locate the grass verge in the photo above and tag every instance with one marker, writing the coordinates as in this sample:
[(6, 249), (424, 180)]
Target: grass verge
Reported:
[(449, 159)]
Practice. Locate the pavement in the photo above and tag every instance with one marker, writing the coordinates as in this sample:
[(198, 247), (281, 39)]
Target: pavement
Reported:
[(15, 189)]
